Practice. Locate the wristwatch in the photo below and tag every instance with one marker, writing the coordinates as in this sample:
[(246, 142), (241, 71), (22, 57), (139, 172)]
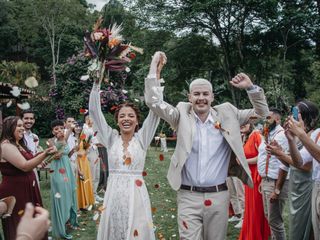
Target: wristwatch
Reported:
[(277, 191)]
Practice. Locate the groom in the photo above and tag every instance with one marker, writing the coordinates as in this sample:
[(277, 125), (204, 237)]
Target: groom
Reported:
[(208, 148)]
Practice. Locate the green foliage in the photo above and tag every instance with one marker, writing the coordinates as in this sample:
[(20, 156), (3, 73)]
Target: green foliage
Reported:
[(313, 83), (17, 72), (272, 41), (70, 93)]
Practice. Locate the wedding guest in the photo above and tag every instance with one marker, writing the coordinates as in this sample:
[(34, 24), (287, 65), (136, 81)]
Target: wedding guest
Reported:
[(34, 223), (63, 192), (16, 167), (84, 180), (69, 124), (31, 139), (301, 174), (208, 143), (93, 156), (255, 225), (236, 192), (274, 184)]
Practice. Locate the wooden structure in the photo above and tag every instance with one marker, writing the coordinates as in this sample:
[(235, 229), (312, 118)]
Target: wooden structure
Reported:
[(6, 96)]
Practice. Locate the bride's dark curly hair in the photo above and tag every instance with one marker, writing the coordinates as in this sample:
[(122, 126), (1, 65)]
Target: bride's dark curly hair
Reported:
[(130, 105)]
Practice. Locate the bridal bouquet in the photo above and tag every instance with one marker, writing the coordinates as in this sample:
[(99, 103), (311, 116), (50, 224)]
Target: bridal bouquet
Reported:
[(108, 52)]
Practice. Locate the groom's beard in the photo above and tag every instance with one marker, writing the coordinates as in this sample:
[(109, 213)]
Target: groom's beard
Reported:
[(272, 126)]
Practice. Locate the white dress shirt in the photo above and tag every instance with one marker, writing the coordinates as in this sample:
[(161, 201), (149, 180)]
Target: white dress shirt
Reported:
[(207, 164), (31, 141), (306, 157), (274, 163), (72, 142)]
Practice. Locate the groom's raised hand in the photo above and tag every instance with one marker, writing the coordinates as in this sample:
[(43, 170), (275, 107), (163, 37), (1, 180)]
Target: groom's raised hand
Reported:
[(242, 81), (159, 59)]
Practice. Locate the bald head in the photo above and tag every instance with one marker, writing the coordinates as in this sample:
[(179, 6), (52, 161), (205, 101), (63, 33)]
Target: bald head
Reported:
[(200, 82)]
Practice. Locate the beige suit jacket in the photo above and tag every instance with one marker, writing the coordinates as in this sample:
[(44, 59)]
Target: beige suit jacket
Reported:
[(181, 118)]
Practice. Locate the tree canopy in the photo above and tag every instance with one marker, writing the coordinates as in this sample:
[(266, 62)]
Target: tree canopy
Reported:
[(275, 42)]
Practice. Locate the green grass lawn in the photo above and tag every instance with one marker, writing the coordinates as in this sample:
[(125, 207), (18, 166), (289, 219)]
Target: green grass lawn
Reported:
[(163, 202)]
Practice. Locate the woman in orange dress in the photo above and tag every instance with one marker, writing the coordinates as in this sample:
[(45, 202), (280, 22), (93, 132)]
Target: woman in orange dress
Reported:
[(255, 225)]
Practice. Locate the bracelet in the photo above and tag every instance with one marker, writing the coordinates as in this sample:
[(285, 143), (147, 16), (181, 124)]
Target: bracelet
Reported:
[(24, 235)]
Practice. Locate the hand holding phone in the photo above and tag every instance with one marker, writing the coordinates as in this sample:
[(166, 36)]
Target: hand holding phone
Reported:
[(295, 113)]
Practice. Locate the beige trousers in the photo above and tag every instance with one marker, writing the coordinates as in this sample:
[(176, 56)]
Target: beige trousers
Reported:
[(202, 216), (315, 210), (273, 211), (236, 190)]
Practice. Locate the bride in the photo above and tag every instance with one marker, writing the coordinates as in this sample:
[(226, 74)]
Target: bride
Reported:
[(127, 210)]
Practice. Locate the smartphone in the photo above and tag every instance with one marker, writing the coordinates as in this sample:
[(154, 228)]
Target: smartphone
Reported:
[(295, 112)]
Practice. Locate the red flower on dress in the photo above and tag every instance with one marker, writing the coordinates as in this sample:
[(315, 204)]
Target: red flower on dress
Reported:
[(138, 182), (62, 170), (185, 225)]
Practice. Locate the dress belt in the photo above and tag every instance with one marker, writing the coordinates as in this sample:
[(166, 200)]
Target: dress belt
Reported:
[(125, 172), (217, 188), (268, 179)]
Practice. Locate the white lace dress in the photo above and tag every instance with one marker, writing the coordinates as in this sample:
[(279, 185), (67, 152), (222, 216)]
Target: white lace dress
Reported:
[(127, 210)]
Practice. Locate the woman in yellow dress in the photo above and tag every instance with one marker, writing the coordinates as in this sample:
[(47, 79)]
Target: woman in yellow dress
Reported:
[(84, 179)]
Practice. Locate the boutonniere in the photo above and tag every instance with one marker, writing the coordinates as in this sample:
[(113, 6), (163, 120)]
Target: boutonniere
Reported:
[(217, 125)]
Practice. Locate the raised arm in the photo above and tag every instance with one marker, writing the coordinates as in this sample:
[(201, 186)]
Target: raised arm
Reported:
[(256, 96), (296, 129), (105, 133), (10, 153), (153, 93), (148, 129)]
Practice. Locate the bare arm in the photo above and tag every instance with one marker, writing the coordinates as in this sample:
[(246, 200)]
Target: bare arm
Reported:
[(105, 133), (279, 184), (253, 160), (275, 149), (312, 147), (153, 93), (296, 128), (11, 153)]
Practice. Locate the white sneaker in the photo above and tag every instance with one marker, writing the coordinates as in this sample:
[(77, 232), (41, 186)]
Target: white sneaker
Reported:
[(239, 224), (98, 199), (234, 219)]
